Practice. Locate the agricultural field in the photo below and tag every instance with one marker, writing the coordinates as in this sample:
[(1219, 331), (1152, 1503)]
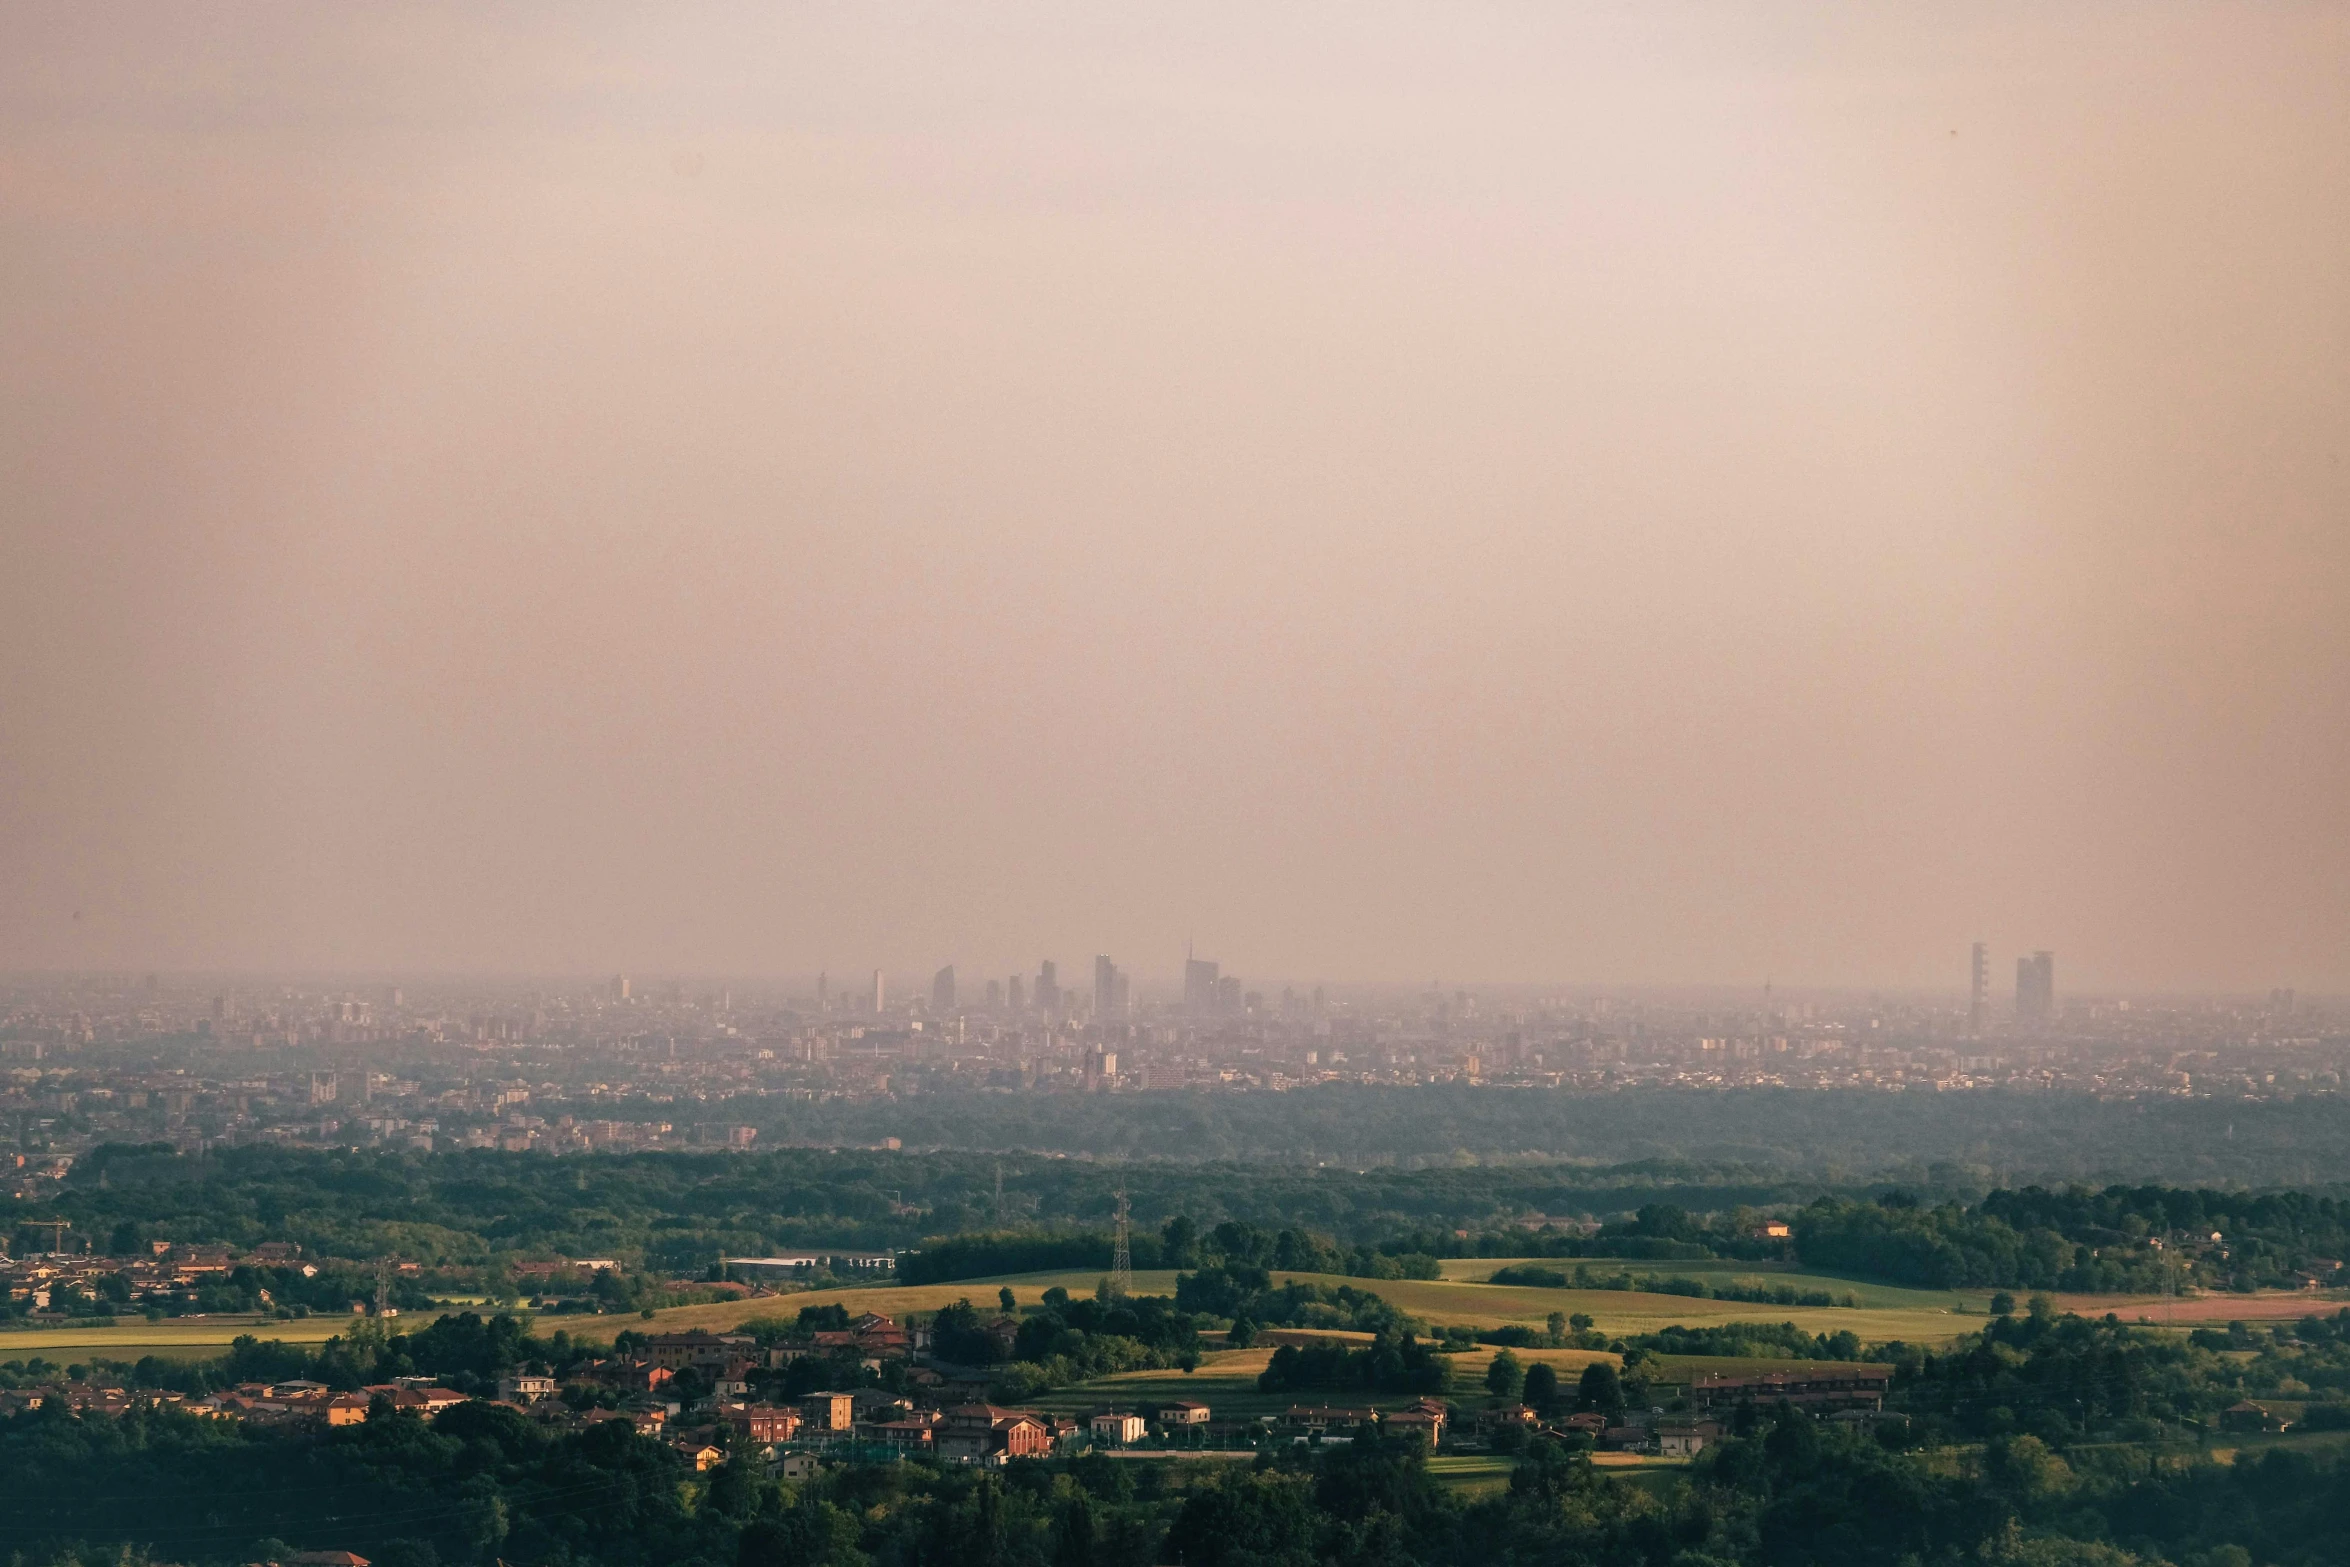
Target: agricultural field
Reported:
[(177, 1339), (1226, 1382), (888, 1299), (2203, 1310), (1870, 1293), (1918, 1316), (1472, 1474)]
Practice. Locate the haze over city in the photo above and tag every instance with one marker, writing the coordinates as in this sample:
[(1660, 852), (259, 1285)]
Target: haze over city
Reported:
[(1050, 785), (1608, 497)]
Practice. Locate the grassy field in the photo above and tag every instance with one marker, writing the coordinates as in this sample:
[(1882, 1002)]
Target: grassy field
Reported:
[(1916, 1315), (1919, 1316), (1472, 1474), (1870, 1293), (2203, 1310), (1226, 1382), (132, 1337), (1684, 1368), (888, 1299)]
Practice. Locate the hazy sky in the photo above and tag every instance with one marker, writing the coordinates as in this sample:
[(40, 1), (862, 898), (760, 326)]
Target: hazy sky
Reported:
[(1616, 493)]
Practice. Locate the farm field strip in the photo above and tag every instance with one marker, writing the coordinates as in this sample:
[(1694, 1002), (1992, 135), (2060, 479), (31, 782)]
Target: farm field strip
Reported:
[(888, 1299), (2203, 1310), (1440, 1302), (1869, 1292), (131, 1339), (1630, 1311)]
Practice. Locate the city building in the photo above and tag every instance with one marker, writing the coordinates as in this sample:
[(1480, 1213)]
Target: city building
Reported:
[(2035, 987), (1199, 986), (1110, 999)]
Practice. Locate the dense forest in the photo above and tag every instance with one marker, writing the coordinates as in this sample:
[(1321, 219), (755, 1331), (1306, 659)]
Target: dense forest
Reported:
[(2143, 1238), (1957, 1144), (466, 1217)]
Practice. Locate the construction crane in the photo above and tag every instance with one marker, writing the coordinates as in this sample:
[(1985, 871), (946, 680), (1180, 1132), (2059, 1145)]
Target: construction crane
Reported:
[(56, 1229)]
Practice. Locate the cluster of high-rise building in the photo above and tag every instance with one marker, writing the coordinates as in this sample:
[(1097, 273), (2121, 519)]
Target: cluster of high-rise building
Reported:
[(2035, 987), (625, 1064)]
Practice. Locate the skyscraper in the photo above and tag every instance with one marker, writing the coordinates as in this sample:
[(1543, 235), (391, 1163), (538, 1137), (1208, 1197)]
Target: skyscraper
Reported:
[(2035, 987), (1016, 994), (1109, 991), (1979, 1001), (880, 993), (1199, 986), (942, 990), (1048, 988)]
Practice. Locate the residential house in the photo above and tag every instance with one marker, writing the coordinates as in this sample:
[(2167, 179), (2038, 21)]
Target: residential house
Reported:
[(977, 1433), (1686, 1438), (345, 1409), (525, 1387), (1813, 1390), (1118, 1429), (702, 1455), (1426, 1418), (829, 1413), (699, 1348), (1324, 1420), (765, 1424)]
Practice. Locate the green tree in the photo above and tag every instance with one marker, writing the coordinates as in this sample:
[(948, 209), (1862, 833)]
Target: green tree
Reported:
[(1602, 1388), (1073, 1534), (1505, 1377)]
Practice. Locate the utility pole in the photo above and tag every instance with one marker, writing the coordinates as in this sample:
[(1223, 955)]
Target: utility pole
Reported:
[(999, 1194), (1122, 1254)]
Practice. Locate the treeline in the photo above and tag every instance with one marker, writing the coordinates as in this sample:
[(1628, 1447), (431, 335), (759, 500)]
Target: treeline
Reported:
[(1248, 1297), (2137, 1239), (270, 1290), (477, 1213), (482, 1484), (469, 1219), (1762, 1292), (1383, 1366), (1958, 1144), (1180, 1243), (2065, 1379), (1757, 1340), (1070, 1339)]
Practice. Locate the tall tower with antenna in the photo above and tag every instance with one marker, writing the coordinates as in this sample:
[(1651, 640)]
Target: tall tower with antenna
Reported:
[(1122, 1254)]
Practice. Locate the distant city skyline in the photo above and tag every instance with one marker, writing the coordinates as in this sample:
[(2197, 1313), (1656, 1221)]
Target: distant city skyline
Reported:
[(1200, 987)]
